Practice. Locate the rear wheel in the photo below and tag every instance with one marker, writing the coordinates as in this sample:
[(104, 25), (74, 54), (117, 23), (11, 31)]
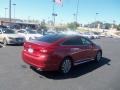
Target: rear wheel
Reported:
[(98, 56), (66, 66)]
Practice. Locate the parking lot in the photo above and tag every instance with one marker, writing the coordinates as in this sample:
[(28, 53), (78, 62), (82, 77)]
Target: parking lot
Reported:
[(16, 75)]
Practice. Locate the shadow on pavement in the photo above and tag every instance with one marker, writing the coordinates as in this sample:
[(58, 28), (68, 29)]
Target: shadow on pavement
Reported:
[(76, 71), (15, 45), (1, 45)]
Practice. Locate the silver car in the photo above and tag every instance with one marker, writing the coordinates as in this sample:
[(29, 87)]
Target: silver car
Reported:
[(8, 36)]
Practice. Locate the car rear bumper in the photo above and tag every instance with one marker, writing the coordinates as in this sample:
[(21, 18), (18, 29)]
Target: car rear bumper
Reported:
[(40, 63)]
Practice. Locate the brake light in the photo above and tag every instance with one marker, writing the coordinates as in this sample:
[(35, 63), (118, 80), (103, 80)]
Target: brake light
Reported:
[(46, 51), (43, 51)]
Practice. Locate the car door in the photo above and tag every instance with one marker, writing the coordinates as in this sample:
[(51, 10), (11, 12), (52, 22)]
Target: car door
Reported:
[(88, 48), (75, 48)]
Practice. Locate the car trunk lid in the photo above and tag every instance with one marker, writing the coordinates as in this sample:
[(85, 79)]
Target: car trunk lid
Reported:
[(36, 48)]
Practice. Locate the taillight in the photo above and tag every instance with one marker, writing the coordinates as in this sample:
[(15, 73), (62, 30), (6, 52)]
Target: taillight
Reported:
[(24, 47), (43, 51), (46, 51)]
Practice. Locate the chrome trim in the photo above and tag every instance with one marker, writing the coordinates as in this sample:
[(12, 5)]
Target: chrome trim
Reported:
[(83, 61)]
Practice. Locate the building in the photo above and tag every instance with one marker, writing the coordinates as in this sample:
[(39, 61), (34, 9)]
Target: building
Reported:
[(18, 23)]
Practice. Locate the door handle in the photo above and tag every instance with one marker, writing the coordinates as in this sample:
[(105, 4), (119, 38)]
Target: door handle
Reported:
[(75, 49)]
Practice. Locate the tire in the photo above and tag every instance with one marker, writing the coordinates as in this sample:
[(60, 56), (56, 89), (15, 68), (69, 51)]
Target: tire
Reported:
[(98, 56), (66, 66), (31, 67), (5, 42)]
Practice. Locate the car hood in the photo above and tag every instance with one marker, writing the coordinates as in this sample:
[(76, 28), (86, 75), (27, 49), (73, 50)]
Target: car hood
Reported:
[(14, 35), (35, 35), (31, 35)]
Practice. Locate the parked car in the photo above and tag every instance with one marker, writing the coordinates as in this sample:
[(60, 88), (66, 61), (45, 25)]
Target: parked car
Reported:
[(87, 35), (60, 52), (103, 35), (69, 32), (95, 35), (49, 32), (2, 26), (29, 34), (8, 36)]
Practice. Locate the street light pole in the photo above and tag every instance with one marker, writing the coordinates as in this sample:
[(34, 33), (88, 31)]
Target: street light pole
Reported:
[(77, 11), (5, 11), (54, 14), (96, 16), (14, 9), (9, 11), (74, 17)]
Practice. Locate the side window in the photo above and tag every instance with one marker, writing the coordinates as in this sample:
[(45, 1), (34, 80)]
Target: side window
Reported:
[(85, 41), (73, 41)]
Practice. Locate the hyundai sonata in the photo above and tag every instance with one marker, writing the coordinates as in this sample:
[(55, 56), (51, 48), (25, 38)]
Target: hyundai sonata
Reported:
[(60, 52)]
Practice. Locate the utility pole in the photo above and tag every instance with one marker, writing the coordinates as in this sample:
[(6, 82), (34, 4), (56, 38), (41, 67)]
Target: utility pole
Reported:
[(9, 11)]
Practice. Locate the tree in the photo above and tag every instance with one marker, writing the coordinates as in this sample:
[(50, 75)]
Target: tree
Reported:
[(95, 24), (73, 25), (43, 25), (107, 25), (118, 27)]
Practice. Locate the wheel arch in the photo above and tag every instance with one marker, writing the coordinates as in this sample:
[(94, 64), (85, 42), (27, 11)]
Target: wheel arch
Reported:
[(100, 51), (68, 56)]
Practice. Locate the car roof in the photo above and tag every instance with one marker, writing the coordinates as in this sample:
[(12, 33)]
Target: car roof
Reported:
[(66, 35)]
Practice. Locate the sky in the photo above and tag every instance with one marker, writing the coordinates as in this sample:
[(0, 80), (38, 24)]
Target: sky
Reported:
[(108, 10)]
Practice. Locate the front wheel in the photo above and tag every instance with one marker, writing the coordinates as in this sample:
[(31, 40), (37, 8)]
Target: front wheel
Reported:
[(5, 42), (66, 66)]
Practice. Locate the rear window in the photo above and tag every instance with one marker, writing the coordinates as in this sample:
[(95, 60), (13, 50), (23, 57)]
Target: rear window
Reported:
[(50, 38), (8, 31)]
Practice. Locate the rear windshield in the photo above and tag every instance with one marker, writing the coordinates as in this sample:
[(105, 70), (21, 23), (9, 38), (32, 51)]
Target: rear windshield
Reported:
[(8, 31), (50, 38)]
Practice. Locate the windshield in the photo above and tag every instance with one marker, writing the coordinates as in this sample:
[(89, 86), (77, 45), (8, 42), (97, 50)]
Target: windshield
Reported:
[(31, 32), (8, 31), (21, 31)]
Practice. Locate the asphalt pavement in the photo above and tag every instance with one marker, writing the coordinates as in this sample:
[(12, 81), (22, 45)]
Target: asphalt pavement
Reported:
[(16, 75)]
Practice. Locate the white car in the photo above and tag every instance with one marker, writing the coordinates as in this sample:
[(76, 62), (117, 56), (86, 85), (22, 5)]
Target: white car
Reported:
[(87, 35), (95, 35), (70, 32), (8, 36), (29, 34), (102, 35)]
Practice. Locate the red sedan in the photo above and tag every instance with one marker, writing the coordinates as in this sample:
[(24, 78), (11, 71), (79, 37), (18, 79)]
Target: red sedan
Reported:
[(60, 52)]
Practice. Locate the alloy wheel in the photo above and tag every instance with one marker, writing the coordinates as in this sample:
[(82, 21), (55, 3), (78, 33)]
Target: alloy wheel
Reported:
[(66, 66), (98, 56)]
